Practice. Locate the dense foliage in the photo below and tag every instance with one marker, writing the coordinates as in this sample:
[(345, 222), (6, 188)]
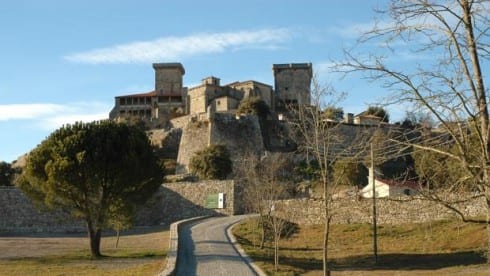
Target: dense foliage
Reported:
[(253, 105), (6, 174), (211, 163), (98, 171), (333, 113), (351, 173)]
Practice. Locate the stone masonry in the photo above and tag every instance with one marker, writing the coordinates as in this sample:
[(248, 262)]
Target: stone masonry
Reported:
[(389, 211), (172, 202)]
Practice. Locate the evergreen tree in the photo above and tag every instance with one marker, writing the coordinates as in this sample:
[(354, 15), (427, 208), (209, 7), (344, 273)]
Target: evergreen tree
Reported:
[(98, 171)]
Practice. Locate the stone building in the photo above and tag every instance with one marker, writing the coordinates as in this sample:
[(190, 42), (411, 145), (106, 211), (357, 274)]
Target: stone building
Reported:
[(292, 84), (167, 101), (204, 114), (171, 99)]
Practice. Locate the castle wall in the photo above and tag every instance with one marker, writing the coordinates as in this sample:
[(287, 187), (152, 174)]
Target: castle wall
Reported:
[(241, 136), (198, 99), (166, 141), (195, 137)]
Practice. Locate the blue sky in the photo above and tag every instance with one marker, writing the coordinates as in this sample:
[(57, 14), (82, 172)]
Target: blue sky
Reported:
[(65, 61)]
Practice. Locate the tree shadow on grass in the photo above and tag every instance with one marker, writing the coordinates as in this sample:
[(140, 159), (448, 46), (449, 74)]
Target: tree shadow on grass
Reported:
[(389, 261), (401, 261)]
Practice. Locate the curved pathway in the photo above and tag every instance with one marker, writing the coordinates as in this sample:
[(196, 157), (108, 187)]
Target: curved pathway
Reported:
[(204, 249)]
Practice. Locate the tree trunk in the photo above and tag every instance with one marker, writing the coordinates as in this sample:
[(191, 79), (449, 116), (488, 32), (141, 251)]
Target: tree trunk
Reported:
[(326, 231), (94, 236), (276, 252), (326, 227), (117, 239), (487, 198), (262, 228)]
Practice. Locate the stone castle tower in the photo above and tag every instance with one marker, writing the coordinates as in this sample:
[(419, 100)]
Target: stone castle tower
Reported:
[(292, 84), (168, 78), (171, 99)]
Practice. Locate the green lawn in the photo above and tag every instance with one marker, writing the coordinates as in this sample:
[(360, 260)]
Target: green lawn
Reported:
[(443, 247)]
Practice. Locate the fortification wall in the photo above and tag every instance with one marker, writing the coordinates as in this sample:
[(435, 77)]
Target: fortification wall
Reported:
[(180, 122), (351, 210), (166, 141), (195, 137), (172, 202), (241, 136)]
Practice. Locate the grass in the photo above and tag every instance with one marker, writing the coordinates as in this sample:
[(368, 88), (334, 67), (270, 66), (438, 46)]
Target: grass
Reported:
[(441, 247), (137, 254)]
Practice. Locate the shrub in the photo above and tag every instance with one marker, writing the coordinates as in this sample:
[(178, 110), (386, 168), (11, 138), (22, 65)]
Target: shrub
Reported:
[(253, 105), (211, 163)]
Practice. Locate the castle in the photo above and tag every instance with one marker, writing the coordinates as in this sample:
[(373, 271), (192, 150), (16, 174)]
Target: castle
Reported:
[(171, 99), (185, 120)]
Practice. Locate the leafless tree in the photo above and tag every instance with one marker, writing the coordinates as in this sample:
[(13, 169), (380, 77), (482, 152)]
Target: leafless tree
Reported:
[(449, 83), (321, 138), (266, 181)]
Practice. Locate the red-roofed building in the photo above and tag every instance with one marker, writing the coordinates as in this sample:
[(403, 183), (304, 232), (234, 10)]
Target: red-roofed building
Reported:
[(171, 99), (167, 101)]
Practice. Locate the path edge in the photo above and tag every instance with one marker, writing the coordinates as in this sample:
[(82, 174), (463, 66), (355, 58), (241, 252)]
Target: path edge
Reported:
[(240, 250), (173, 247)]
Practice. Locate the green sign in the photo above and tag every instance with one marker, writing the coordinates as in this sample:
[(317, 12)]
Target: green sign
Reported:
[(212, 201)]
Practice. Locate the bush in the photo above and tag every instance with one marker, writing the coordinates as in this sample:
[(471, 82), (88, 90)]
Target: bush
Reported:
[(6, 174), (211, 163), (351, 173), (253, 105)]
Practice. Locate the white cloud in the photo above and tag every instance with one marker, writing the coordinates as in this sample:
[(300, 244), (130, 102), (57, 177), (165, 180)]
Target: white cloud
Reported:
[(175, 48), (57, 121), (50, 116), (28, 111)]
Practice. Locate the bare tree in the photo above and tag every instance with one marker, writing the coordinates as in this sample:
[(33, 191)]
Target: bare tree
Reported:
[(266, 180), (320, 138), (449, 84)]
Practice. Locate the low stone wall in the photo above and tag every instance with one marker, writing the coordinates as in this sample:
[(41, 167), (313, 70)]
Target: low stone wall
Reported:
[(172, 202), (18, 214), (181, 200), (351, 210)]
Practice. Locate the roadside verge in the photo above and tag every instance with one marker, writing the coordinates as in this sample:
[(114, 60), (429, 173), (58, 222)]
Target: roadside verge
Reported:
[(241, 252)]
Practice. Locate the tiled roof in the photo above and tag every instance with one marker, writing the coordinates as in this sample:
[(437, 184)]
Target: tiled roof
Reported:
[(148, 94)]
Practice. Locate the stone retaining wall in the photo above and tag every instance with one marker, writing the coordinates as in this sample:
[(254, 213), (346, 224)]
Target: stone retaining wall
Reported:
[(172, 202), (18, 214), (181, 200), (351, 210)]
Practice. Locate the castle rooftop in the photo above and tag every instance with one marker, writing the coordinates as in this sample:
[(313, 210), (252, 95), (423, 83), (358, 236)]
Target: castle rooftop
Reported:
[(292, 66), (170, 65)]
